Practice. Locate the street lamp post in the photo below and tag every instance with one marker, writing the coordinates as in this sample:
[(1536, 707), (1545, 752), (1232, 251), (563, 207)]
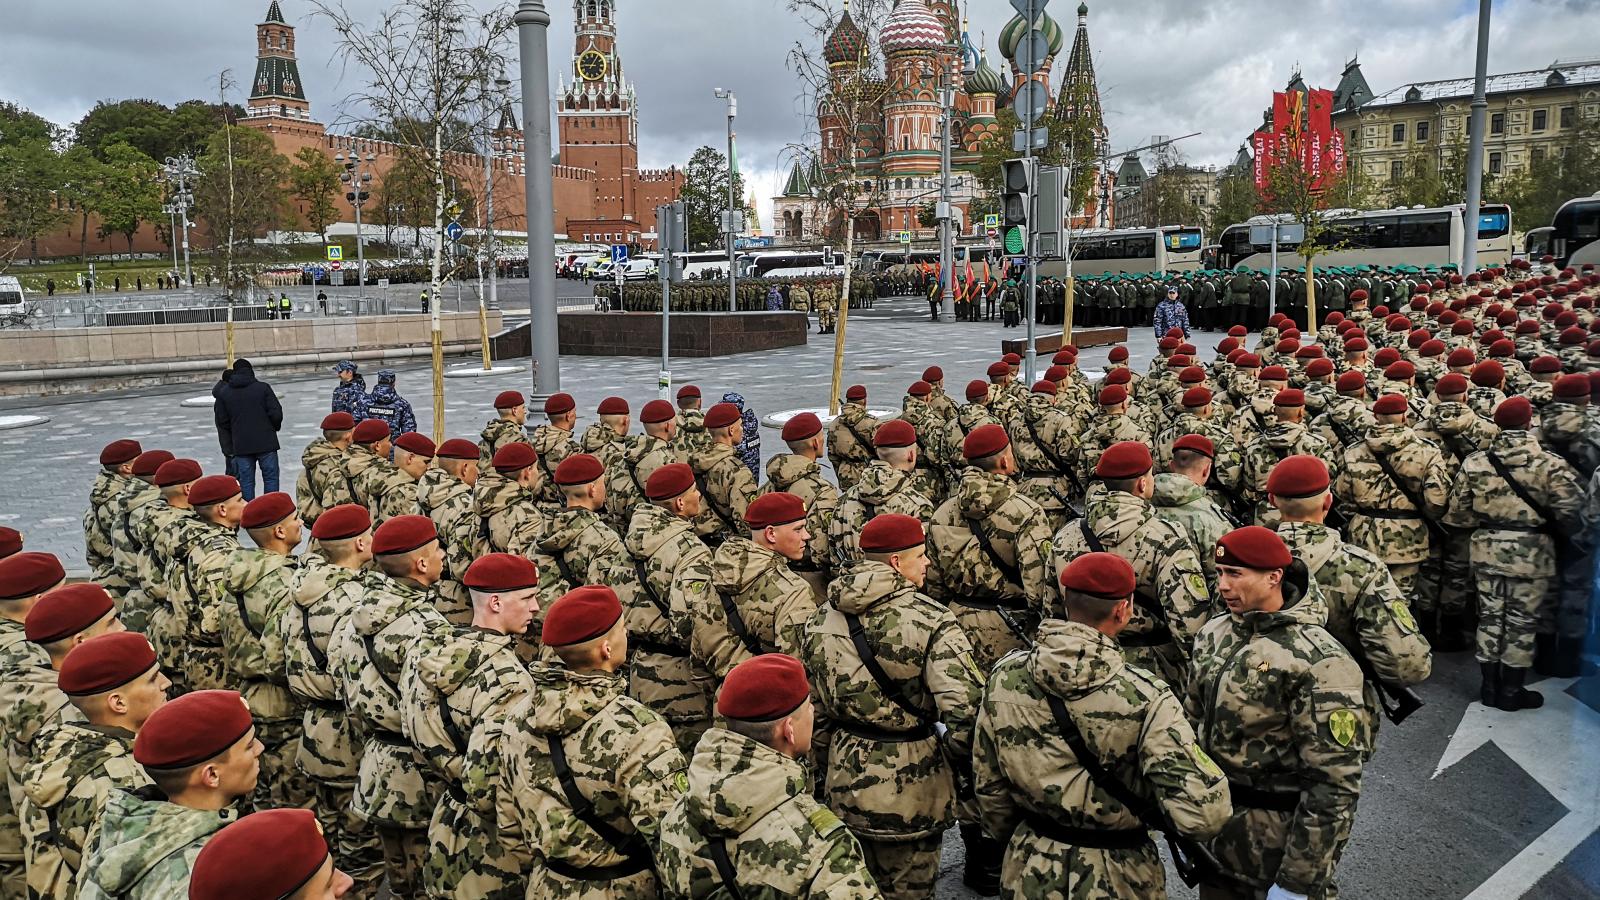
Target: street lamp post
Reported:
[(1480, 106), (947, 238), (182, 170), (359, 178), (171, 209), (533, 32), (729, 225)]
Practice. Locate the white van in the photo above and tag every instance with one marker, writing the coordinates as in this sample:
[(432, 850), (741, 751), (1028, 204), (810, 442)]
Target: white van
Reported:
[(640, 269), (11, 301)]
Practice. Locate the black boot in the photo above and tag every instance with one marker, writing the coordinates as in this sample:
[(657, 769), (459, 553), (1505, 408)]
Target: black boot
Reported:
[(1544, 655), (1489, 692), (984, 855), (1453, 636), (1512, 696)]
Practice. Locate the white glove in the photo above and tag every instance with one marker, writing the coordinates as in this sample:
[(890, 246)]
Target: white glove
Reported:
[(1278, 893)]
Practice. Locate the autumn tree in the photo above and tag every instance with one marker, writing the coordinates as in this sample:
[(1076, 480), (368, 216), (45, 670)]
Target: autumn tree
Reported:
[(314, 181)]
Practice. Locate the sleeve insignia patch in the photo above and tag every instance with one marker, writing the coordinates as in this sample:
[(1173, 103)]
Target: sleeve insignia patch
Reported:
[(1342, 724), (824, 821), (1402, 614), (1204, 762)]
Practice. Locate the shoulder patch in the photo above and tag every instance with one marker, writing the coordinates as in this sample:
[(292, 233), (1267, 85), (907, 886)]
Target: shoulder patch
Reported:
[(1402, 614), (972, 666), (1197, 583), (681, 781), (824, 822), (1046, 548), (1204, 763), (1342, 724)]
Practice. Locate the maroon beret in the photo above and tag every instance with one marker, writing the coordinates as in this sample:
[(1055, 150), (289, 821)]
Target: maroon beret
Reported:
[(998, 370), (1527, 326), (1066, 356), (656, 412), (1335, 317), (1227, 345), (1573, 336), (1319, 368), (267, 510), (1451, 384), (1238, 331), (1358, 294), (264, 856), (1290, 397), (1287, 345), (985, 440), (339, 421), (509, 400), (1355, 345), (1254, 547), (891, 533), (1113, 395), (1571, 387), (105, 663), (613, 406), (10, 541), (1309, 351), (1418, 337), (458, 448), (977, 390), (801, 427), (501, 573), (669, 481), (1351, 382), (1118, 353), (1514, 413), (1248, 361), (581, 615), (67, 610), (118, 452), (1276, 320), (1461, 356), (1390, 405), (932, 374), (191, 729), (403, 534), (1121, 375), (1168, 343), (177, 471), (1381, 312), (1400, 371), (919, 389), (1104, 575), (214, 489), (856, 393), (1196, 397), (1044, 386), (1545, 365), (1199, 443), (688, 392), (773, 510), (556, 404), (513, 457), (29, 574), (894, 433), (1502, 348), (1386, 357), (1012, 359), (1179, 361), (1056, 372), (1488, 373), (1125, 459), (370, 431), (411, 442), (146, 463), (345, 521), (579, 468), (1431, 347), (723, 415), (763, 689), (1274, 373)]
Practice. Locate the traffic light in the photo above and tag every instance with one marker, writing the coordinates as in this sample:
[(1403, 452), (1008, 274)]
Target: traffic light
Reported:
[(1017, 184)]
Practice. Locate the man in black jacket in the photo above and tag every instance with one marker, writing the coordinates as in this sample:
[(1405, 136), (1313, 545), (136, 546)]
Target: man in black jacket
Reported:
[(248, 418)]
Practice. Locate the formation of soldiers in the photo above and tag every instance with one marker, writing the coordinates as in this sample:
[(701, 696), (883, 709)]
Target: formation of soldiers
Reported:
[(807, 295), (1066, 619)]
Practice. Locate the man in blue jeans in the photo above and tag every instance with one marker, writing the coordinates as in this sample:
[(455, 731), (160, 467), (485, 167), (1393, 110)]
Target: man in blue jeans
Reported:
[(248, 417)]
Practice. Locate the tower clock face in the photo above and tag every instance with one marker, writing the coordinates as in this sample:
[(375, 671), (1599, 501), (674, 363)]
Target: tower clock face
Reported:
[(592, 65)]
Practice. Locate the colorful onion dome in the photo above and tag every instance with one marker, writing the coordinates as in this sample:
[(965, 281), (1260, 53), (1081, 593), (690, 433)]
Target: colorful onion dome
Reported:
[(985, 80), (1011, 35), (844, 46), (913, 26)]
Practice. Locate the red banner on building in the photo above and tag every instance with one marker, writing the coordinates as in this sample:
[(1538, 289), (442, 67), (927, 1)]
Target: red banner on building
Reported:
[(1302, 130)]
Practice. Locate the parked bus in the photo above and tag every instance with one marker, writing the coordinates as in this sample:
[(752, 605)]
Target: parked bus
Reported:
[(696, 264), (1383, 237), (1575, 232), (788, 264), (1536, 243), (1161, 249)]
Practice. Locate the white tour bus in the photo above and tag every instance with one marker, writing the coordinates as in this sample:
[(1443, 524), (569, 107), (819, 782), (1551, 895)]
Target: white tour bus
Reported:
[(1417, 236), (1164, 248)]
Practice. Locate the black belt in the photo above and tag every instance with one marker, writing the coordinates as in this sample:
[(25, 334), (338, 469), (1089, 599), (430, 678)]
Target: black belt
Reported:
[(1012, 604), (885, 735), (660, 647), (1097, 838), (324, 705), (1370, 513), (1255, 798), (392, 738), (632, 866), (1155, 637)]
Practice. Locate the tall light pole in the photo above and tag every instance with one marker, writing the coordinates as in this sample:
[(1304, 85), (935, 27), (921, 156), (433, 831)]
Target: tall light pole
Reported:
[(501, 88), (171, 209), (947, 238), (1480, 106), (358, 178), (533, 33), (182, 170), (729, 226)]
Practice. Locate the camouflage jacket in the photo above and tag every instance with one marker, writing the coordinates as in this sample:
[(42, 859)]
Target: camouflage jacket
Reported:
[(782, 843), (464, 679), (357, 461), (802, 477), (449, 502), (627, 476), (30, 703), (1510, 537), (600, 441), (67, 785), (1382, 520), (850, 441), (510, 519), (1483, 400), (97, 521), (16, 650), (392, 492), (1279, 706), (931, 450), (1103, 431), (496, 434), (969, 417), (726, 488), (1194, 510), (896, 789), (553, 445), (1573, 433), (396, 619), (322, 484), (197, 597), (1277, 442), (757, 605), (1226, 468), (692, 437), (324, 597), (879, 489), (667, 577), (143, 847), (1458, 431), (1042, 437), (257, 590), (145, 524), (573, 552), (124, 541), (1025, 773), (172, 530)]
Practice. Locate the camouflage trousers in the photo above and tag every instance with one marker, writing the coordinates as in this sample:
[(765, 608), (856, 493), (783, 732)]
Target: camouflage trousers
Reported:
[(466, 861), (547, 885), (13, 880), (1509, 608), (1036, 866), (1566, 610), (282, 784), (989, 634), (904, 870), (355, 845), (1444, 581), (405, 852), (826, 318)]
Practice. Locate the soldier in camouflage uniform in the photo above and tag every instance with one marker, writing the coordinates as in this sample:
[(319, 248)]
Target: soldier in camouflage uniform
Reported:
[(749, 801), (577, 542), (445, 495), (1042, 438), (1345, 420), (582, 774), (1569, 429), (972, 414), (891, 772), (626, 477), (726, 483), (1279, 703), (162, 528), (330, 588), (887, 485), (1518, 499), (1113, 425), (827, 311), (989, 550), (322, 483), (1286, 436), (760, 604), (510, 519), (145, 844), (24, 578), (508, 426), (691, 423), (607, 439), (1066, 833), (196, 579), (1199, 417), (396, 792), (850, 437), (116, 468), (931, 452), (115, 683), (367, 459), (1180, 497), (1488, 386), (463, 682), (798, 472), (127, 541), (554, 442), (1171, 602), (392, 490)]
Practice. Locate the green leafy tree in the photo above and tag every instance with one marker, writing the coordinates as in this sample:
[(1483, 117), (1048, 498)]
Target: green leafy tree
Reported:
[(81, 178), (314, 181), (705, 195), (241, 192), (30, 175), (928, 215), (157, 130), (405, 193), (1570, 168), (19, 126), (1237, 201), (128, 193)]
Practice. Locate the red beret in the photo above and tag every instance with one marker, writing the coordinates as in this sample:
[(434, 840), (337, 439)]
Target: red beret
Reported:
[(1179, 361), (412, 442), (1122, 375), (191, 729), (1056, 372), (1044, 386), (370, 431), (1461, 356), (1168, 343), (1118, 353), (1066, 356), (1276, 320), (458, 448), (1527, 326), (1358, 294), (177, 471), (894, 433), (1125, 459), (1199, 443), (267, 510), (1238, 331), (1309, 351), (513, 457), (613, 406), (105, 663), (1400, 371), (1104, 575), (581, 615), (1335, 317), (1012, 359), (1247, 361), (998, 369), (1514, 413), (656, 412), (1381, 312), (29, 574), (977, 390), (509, 400), (10, 541), (1227, 345), (802, 426), (669, 481), (1390, 405), (1488, 373), (1355, 345), (1431, 348), (688, 392), (932, 374), (146, 463), (763, 689), (1351, 382), (1254, 547), (891, 533), (919, 389), (774, 510), (1545, 365), (1386, 357), (501, 573), (1319, 368), (856, 393), (67, 610), (1196, 397), (1113, 395), (1571, 387), (1274, 373), (1573, 336), (264, 856), (579, 468), (1175, 332), (723, 415), (118, 452), (557, 404), (339, 421), (1287, 345), (1290, 397), (1451, 384), (214, 489), (1502, 348), (345, 521), (1418, 337), (985, 440), (403, 534)]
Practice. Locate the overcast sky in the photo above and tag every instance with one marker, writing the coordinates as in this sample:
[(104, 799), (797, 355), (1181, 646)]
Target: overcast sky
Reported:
[(1167, 67)]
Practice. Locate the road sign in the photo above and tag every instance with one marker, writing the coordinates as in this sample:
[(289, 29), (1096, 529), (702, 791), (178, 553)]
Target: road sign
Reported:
[(1033, 50), (335, 252), (1031, 102), (454, 231), (993, 232), (905, 237), (335, 265), (991, 221), (1021, 6), (619, 253)]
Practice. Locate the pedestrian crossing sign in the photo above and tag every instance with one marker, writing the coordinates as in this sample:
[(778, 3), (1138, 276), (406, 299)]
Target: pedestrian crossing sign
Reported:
[(905, 237), (335, 253), (991, 221)]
